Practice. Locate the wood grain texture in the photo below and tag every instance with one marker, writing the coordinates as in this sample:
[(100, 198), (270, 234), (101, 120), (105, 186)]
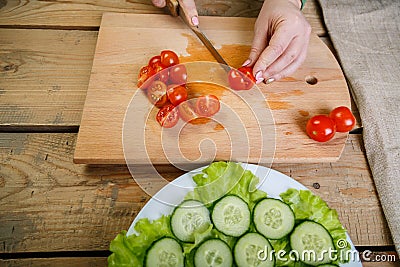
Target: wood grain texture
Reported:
[(87, 14), (44, 76), (112, 97), (50, 204), (41, 84)]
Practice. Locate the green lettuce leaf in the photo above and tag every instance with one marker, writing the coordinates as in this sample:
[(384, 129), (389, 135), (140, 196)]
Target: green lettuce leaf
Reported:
[(131, 250), (221, 178), (307, 206)]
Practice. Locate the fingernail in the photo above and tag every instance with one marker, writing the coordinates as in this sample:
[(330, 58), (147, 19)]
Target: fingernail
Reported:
[(259, 77), (270, 80), (195, 20), (247, 62)]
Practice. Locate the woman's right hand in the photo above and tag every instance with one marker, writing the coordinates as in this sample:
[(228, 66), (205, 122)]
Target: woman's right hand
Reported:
[(188, 5)]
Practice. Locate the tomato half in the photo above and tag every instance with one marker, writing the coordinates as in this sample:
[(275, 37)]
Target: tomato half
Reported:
[(176, 94), (168, 116), (154, 61), (207, 106), (157, 93), (343, 118), (239, 80), (144, 74), (248, 72), (186, 111), (178, 74), (321, 128), (162, 73), (169, 58)]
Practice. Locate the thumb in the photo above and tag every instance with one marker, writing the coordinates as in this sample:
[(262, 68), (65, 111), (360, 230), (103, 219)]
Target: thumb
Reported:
[(190, 10)]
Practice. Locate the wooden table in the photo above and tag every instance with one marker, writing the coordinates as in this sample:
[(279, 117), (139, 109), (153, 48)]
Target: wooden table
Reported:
[(54, 212)]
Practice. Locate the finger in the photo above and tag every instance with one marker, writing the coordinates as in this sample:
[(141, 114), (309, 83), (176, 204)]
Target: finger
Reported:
[(292, 52), (279, 42), (189, 7), (259, 44), (159, 3), (291, 68)]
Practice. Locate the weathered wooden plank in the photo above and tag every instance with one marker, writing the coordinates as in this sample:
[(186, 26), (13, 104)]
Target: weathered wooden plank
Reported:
[(44, 75), (50, 204), (78, 14)]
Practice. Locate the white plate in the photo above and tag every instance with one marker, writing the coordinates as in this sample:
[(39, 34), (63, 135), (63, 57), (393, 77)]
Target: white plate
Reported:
[(271, 182)]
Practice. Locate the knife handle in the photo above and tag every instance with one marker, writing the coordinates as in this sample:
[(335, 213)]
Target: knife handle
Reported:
[(173, 7)]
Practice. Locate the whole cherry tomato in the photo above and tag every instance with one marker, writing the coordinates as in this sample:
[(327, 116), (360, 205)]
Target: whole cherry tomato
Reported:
[(178, 74), (239, 80), (186, 110), (321, 128), (168, 116), (153, 61), (144, 74), (169, 58), (343, 118), (207, 106), (157, 93), (176, 94)]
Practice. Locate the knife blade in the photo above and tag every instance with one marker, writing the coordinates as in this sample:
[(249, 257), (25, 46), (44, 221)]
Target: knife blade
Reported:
[(176, 10)]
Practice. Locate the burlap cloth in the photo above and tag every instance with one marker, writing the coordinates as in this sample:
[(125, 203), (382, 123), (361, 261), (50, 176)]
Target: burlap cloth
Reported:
[(366, 36)]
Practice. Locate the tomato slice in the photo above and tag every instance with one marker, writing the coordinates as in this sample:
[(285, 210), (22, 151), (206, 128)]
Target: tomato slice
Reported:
[(169, 58), (178, 74), (157, 93), (321, 128), (144, 74), (248, 72), (176, 94), (207, 106), (168, 116), (343, 118), (186, 111), (239, 80)]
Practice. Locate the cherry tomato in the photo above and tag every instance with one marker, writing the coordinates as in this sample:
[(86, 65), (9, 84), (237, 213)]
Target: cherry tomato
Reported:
[(207, 106), (168, 116), (162, 73), (176, 94), (186, 111), (153, 61), (321, 128), (144, 74), (169, 58), (343, 118), (240, 81), (178, 74), (157, 93), (248, 72)]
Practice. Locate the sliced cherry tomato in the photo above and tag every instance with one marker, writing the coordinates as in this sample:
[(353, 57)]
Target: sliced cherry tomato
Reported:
[(176, 94), (186, 110), (343, 118), (248, 72), (169, 58), (157, 93), (153, 61), (178, 74), (168, 116), (162, 73), (239, 80), (321, 128), (144, 74), (207, 106)]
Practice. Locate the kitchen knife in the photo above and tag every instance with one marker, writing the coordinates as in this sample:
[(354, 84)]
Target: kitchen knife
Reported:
[(176, 10)]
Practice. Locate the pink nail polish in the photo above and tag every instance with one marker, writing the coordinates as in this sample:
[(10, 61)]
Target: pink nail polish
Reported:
[(195, 20), (259, 77), (247, 62)]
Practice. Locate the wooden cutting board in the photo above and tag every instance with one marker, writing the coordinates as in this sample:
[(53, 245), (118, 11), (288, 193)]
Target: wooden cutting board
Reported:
[(127, 41)]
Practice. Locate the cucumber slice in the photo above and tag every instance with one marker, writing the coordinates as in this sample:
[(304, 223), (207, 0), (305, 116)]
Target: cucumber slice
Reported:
[(313, 243), (164, 252), (273, 218), (231, 216), (188, 217), (213, 252), (253, 249)]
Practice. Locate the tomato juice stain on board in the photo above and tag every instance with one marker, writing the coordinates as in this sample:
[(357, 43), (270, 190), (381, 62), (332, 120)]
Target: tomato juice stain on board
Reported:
[(275, 105), (197, 89), (304, 113)]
